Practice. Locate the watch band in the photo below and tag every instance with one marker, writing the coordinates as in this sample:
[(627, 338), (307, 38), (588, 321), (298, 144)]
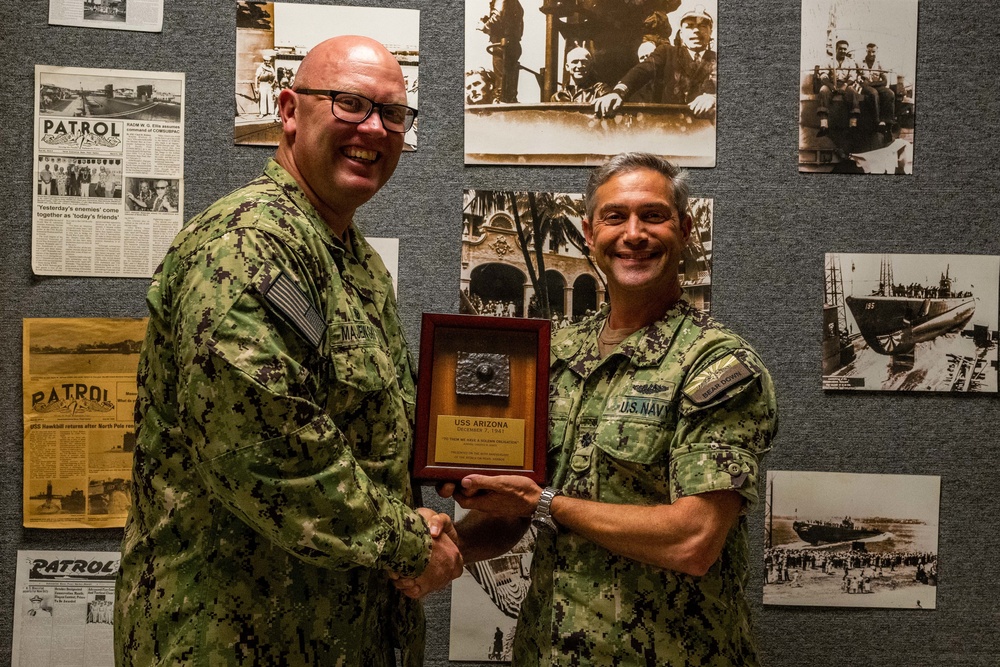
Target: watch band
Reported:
[(543, 511)]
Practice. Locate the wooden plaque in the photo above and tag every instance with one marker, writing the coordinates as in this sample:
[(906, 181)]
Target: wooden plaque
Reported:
[(482, 397)]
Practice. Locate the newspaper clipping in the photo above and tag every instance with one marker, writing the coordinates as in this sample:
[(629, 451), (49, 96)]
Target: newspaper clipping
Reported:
[(63, 606), (79, 380), (138, 15), (108, 170)]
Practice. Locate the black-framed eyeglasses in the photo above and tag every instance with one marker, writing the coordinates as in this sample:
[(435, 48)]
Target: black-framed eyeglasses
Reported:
[(354, 108)]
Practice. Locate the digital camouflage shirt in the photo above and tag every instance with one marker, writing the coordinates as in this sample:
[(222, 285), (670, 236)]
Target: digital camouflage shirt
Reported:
[(680, 408), (274, 428)]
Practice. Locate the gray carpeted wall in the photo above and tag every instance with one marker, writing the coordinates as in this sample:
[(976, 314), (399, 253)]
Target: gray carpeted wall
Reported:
[(772, 226)]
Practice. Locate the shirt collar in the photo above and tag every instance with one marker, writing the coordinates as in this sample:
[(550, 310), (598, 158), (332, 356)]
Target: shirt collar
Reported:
[(646, 347), (360, 265)]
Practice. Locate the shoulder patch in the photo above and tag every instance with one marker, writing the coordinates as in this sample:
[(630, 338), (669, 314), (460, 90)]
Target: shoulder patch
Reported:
[(283, 294), (718, 378)]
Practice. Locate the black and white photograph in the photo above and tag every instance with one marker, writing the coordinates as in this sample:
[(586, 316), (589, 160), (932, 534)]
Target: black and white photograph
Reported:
[(79, 177), (135, 15), (895, 322), (485, 602), (105, 10), (572, 83), (150, 194), (272, 38), (857, 87), (837, 539), (76, 95), (524, 255)]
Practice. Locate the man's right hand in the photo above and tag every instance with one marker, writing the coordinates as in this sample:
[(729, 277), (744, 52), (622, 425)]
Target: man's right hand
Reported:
[(446, 561), (606, 105)]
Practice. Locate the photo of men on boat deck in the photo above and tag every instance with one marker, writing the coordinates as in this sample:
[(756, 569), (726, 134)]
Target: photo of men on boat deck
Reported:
[(576, 81), (836, 539), (910, 322)]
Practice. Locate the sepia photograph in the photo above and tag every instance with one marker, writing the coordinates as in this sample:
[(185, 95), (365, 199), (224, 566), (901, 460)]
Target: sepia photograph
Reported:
[(524, 255), (857, 86), (910, 322), (835, 539), (572, 83), (272, 38)]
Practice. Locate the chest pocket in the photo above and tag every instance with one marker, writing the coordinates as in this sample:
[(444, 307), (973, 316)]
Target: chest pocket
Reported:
[(632, 455), (360, 372)]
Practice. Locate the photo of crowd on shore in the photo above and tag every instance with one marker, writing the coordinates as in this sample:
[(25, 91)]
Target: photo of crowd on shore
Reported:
[(152, 195), (80, 176), (862, 571), (851, 540)]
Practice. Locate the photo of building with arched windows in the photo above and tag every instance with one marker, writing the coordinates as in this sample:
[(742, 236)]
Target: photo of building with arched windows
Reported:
[(524, 255)]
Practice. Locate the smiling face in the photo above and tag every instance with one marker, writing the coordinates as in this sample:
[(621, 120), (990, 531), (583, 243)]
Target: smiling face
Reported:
[(341, 165), (578, 64), (637, 237)]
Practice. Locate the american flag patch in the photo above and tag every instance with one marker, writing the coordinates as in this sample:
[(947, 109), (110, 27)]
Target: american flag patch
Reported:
[(283, 294)]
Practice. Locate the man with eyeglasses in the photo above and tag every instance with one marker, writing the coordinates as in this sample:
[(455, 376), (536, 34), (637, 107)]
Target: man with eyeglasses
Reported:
[(162, 203), (658, 418), (272, 507)]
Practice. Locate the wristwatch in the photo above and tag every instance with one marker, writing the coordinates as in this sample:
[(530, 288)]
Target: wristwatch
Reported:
[(543, 511)]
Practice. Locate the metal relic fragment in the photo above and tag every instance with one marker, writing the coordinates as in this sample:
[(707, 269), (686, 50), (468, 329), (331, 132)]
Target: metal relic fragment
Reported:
[(482, 374)]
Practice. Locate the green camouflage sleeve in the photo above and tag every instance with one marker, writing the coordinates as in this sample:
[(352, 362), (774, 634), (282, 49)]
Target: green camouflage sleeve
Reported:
[(728, 417), (264, 444)]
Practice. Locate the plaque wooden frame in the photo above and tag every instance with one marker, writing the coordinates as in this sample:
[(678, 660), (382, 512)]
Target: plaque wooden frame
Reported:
[(526, 341)]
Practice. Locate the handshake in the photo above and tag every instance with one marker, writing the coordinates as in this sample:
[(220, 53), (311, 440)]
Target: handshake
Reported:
[(508, 499)]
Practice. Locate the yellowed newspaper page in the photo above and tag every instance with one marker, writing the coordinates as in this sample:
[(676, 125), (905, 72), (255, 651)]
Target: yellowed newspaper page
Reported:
[(79, 395)]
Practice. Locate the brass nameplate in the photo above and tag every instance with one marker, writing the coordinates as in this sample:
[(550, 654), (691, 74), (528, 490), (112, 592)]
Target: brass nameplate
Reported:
[(479, 441)]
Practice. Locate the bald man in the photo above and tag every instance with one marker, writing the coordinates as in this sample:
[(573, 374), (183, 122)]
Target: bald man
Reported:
[(580, 85), (272, 514)]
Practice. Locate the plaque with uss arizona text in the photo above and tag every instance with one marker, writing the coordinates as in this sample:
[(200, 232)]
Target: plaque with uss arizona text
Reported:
[(482, 397)]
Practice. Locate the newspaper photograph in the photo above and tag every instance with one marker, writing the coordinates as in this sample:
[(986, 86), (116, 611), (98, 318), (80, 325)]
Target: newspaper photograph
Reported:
[(138, 15), (79, 379), (63, 604), (272, 38), (108, 170)]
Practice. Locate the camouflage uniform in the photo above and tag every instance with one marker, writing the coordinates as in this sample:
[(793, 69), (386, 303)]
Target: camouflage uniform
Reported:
[(271, 490), (680, 408)]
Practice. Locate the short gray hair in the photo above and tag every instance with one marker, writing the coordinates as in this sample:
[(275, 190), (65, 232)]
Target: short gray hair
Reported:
[(624, 163)]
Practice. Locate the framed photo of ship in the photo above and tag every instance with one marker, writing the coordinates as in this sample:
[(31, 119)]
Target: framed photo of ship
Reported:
[(482, 397), (836, 539), (910, 322)]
